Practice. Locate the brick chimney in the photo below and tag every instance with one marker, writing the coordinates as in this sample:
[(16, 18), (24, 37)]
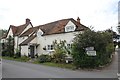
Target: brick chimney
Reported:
[(27, 21), (78, 20)]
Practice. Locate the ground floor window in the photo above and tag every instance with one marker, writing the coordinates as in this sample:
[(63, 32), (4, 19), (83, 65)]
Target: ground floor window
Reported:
[(50, 47)]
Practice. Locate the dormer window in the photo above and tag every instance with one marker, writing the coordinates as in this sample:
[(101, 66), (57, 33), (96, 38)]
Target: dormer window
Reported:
[(70, 27), (39, 33), (23, 37)]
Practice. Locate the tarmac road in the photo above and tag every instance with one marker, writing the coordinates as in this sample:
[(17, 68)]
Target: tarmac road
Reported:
[(13, 69)]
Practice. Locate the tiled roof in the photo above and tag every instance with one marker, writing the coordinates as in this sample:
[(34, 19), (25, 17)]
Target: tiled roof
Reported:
[(55, 27), (58, 26), (30, 38), (20, 29), (29, 31), (17, 30)]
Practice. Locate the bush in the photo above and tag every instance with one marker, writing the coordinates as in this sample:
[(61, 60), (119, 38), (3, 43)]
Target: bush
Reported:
[(59, 57), (102, 43), (17, 55), (109, 49), (60, 51), (4, 53), (44, 58), (25, 58)]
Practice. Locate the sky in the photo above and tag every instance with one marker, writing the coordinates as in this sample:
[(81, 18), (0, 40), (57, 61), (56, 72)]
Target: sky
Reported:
[(100, 14)]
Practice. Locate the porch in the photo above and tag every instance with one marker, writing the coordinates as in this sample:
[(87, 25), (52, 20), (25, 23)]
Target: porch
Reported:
[(32, 50)]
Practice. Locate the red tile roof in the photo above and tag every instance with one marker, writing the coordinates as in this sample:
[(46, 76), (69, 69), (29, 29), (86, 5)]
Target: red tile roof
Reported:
[(17, 30), (55, 27), (29, 31), (59, 26), (30, 38)]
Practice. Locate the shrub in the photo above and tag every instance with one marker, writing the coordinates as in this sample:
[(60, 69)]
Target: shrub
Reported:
[(17, 55), (102, 43), (44, 58), (59, 57), (60, 51), (109, 49), (25, 58)]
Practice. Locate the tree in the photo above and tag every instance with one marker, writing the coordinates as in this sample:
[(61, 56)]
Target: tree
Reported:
[(9, 51), (100, 41)]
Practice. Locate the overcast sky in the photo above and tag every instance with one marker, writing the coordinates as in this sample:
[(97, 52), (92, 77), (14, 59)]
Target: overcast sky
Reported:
[(101, 14)]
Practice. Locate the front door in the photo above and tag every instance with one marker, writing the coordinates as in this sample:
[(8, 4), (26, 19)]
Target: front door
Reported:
[(32, 51)]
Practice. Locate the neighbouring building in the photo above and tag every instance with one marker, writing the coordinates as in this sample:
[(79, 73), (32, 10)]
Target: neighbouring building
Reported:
[(31, 40)]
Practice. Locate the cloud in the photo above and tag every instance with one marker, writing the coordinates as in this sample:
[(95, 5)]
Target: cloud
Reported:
[(102, 14)]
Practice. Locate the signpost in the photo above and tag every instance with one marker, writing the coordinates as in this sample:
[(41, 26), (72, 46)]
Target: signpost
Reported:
[(90, 51)]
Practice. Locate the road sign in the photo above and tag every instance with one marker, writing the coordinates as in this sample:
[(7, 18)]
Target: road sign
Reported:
[(91, 53), (89, 48)]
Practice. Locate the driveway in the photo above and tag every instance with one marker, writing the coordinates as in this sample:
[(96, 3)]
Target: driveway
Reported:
[(13, 69)]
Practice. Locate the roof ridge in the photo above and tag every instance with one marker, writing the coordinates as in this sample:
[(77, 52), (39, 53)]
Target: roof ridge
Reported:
[(54, 22)]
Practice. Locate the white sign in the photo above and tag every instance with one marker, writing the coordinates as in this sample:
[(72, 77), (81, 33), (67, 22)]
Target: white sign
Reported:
[(91, 53), (89, 48)]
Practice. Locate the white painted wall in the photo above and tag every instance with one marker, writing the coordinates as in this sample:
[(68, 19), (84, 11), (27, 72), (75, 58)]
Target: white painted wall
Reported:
[(15, 43), (21, 39), (10, 33), (24, 50), (48, 40)]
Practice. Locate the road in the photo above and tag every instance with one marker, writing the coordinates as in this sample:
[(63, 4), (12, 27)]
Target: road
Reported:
[(0, 69), (13, 69)]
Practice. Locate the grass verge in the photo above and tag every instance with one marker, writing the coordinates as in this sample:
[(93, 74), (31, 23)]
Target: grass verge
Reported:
[(61, 65), (22, 59), (52, 64)]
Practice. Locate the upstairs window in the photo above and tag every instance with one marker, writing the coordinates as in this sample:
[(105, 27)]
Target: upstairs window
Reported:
[(69, 28), (23, 37)]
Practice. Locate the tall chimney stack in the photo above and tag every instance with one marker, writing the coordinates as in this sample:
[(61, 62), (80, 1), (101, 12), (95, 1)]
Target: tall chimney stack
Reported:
[(78, 20), (27, 21)]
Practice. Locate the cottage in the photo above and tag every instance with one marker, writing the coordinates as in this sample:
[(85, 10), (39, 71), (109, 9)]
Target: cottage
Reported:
[(39, 39)]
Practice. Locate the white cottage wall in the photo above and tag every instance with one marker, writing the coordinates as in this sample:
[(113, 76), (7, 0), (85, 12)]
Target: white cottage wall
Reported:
[(48, 40), (24, 50)]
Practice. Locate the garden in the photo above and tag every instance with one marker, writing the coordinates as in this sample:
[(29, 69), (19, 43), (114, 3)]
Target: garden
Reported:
[(101, 41)]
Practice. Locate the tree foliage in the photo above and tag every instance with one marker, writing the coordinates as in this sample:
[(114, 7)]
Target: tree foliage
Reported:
[(102, 43), (59, 51), (9, 50)]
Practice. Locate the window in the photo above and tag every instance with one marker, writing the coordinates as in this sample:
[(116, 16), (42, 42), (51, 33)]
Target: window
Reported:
[(39, 33), (69, 46), (69, 28), (23, 37), (50, 47)]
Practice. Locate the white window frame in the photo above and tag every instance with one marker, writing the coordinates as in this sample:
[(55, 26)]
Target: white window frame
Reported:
[(70, 28), (50, 47)]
